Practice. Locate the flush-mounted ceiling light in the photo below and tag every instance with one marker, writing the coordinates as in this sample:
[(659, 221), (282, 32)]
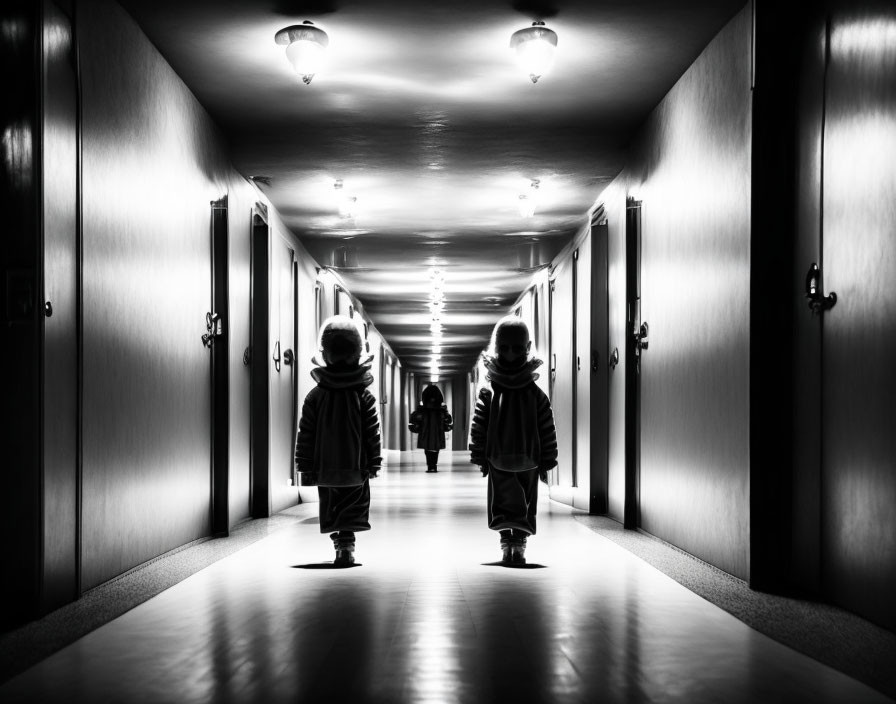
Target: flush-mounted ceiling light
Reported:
[(529, 201), (305, 48), (535, 47)]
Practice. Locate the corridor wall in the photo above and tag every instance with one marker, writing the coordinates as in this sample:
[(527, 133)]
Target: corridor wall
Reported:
[(152, 162), (690, 166)]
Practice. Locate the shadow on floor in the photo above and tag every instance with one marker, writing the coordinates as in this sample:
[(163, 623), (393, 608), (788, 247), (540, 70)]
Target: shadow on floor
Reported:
[(325, 566), (515, 566)]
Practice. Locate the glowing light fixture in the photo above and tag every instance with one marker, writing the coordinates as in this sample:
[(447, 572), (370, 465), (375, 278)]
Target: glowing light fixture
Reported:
[(535, 47), (529, 201), (305, 48), (344, 201), (436, 306)]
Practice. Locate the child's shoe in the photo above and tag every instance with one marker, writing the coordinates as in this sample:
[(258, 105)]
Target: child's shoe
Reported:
[(518, 551), (505, 546), (345, 549), (345, 556)]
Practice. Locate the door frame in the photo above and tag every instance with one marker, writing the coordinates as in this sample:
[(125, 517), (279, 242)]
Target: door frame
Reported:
[(220, 367), (598, 364), (259, 376), (632, 503), (576, 362)]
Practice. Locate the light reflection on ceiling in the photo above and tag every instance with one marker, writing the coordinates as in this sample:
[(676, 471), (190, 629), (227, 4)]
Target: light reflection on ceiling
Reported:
[(422, 113)]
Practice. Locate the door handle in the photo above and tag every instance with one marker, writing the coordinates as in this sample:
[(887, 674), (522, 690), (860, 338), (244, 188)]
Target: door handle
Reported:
[(277, 355), (614, 358), (213, 328), (288, 357), (641, 337), (818, 303)]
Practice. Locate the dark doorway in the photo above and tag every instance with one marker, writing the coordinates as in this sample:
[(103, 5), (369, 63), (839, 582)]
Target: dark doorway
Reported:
[(259, 354), (598, 365), (273, 384), (219, 340), (635, 341)]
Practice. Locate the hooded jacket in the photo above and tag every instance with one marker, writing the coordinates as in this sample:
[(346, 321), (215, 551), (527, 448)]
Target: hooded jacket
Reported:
[(513, 424), (338, 443), (431, 420)]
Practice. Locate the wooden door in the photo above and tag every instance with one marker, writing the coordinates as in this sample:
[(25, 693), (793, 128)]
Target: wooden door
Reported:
[(563, 379), (633, 345), (581, 366), (858, 473), (259, 360), (218, 340), (598, 367), (282, 377), (60, 312)]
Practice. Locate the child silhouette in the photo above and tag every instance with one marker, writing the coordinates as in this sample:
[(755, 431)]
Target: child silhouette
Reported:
[(338, 443), (513, 438)]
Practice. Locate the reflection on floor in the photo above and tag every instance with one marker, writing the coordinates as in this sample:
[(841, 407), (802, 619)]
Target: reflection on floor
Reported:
[(426, 620)]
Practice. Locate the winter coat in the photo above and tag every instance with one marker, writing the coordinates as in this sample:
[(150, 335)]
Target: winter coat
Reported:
[(513, 424), (338, 443), (431, 420)]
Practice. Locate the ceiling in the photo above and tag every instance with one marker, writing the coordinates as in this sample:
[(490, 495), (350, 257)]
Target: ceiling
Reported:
[(423, 114)]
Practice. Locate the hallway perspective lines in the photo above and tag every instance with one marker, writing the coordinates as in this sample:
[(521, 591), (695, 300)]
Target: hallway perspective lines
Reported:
[(426, 619)]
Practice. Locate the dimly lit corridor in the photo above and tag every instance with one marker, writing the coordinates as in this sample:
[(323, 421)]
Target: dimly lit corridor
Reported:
[(680, 211), (427, 619)]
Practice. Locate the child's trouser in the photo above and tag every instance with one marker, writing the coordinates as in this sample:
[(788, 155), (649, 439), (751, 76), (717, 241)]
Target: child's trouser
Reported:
[(512, 500), (344, 507), (432, 457)]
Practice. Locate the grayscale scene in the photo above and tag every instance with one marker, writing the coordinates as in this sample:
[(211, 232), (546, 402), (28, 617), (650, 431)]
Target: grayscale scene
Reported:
[(463, 352)]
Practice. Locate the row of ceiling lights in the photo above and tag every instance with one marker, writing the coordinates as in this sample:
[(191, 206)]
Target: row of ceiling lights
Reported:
[(306, 46), (534, 46), (345, 202), (436, 306)]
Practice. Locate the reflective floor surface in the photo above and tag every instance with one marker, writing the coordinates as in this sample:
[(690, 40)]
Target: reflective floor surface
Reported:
[(426, 618)]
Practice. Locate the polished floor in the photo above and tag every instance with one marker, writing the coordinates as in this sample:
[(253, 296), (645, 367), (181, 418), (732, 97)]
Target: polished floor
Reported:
[(428, 618)]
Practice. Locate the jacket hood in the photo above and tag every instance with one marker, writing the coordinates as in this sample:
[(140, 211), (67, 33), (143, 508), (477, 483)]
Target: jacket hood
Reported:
[(510, 378), (343, 378), (432, 397)]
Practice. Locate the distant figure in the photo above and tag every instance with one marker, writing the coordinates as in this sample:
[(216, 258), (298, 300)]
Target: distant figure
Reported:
[(338, 443), (431, 420), (514, 441)]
